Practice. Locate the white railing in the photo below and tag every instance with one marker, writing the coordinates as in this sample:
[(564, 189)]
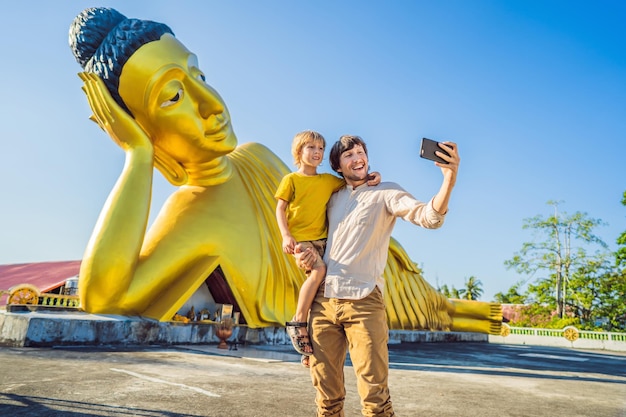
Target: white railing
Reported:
[(569, 336)]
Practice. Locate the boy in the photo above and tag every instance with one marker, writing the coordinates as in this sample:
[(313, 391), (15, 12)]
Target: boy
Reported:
[(301, 217)]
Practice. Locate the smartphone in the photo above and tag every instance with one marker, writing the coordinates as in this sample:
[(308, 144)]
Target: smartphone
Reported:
[(428, 148)]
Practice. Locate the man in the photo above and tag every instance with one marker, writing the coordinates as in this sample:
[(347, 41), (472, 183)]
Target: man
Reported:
[(348, 311)]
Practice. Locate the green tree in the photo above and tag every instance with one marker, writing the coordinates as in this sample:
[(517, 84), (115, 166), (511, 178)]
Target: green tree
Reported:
[(600, 298), (561, 249), (613, 306), (620, 255), (513, 296), (614, 286), (588, 281), (596, 299), (444, 290), (473, 289), (449, 292)]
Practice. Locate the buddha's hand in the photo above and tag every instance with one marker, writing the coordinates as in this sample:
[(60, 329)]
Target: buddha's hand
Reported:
[(111, 117)]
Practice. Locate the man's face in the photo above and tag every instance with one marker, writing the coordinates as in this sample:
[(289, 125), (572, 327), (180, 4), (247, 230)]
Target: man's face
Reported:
[(353, 164)]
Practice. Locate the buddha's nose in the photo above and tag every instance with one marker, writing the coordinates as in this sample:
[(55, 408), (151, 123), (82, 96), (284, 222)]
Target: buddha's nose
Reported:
[(208, 103), (206, 110)]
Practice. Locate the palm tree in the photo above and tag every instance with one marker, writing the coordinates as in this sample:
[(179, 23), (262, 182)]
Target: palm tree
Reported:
[(444, 290), (473, 289), (456, 293), (450, 292)]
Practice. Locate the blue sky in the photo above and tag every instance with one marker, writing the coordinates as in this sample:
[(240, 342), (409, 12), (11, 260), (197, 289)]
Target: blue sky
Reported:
[(533, 92)]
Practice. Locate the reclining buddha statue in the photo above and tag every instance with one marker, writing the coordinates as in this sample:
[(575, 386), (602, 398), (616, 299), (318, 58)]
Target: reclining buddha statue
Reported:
[(148, 93)]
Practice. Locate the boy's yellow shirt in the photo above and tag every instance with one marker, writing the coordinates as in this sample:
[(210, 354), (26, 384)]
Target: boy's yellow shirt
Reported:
[(307, 197)]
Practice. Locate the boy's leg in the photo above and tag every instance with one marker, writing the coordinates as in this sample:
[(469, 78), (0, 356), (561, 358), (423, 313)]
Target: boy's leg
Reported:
[(308, 290), (307, 293), (305, 299)]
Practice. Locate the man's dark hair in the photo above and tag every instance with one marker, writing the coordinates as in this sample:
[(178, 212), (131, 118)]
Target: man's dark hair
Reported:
[(345, 143)]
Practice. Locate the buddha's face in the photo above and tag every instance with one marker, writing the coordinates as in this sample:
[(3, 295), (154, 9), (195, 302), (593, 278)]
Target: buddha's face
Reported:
[(166, 91)]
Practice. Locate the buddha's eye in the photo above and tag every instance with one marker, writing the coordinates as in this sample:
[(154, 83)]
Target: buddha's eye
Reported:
[(173, 100)]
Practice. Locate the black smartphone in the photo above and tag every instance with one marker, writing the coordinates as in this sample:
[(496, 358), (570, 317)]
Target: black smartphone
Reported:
[(428, 148)]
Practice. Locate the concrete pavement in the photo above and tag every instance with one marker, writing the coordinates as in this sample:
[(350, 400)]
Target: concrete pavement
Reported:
[(426, 379)]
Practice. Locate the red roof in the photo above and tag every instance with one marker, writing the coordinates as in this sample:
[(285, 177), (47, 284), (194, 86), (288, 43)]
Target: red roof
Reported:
[(46, 276)]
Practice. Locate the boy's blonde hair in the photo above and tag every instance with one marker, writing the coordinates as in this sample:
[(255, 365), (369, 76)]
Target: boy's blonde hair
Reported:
[(302, 139)]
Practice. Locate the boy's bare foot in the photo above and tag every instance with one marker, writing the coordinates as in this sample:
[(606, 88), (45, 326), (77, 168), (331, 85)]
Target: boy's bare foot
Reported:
[(304, 360)]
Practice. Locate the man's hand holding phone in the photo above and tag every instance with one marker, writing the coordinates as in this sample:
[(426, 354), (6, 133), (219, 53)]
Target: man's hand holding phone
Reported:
[(445, 154), (446, 157), (436, 151)]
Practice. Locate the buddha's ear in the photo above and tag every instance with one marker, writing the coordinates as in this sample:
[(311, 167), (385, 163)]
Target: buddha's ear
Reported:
[(171, 170)]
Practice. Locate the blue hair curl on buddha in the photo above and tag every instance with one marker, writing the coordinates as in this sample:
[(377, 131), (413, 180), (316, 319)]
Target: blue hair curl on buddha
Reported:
[(102, 40)]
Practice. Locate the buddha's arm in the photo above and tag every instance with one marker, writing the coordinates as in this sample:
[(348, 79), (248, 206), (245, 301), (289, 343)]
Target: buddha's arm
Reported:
[(412, 303), (476, 316), (112, 254)]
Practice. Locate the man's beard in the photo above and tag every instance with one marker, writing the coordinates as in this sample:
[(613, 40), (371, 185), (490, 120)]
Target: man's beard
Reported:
[(355, 177)]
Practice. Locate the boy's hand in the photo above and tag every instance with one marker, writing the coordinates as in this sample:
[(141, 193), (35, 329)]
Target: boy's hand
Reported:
[(374, 178), (289, 245)]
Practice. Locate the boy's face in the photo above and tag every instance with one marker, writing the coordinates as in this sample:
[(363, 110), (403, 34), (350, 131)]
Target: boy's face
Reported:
[(312, 153)]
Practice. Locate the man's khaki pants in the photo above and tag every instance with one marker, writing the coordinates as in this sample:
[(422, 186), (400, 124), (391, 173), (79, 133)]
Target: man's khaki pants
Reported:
[(361, 327)]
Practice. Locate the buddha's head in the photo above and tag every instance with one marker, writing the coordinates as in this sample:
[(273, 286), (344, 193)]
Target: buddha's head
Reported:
[(151, 75)]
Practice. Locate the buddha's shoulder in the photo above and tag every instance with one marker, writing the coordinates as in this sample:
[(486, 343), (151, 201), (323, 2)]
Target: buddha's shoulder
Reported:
[(259, 154), (254, 147)]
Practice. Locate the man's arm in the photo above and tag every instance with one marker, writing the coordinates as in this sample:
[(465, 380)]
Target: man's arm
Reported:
[(449, 171)]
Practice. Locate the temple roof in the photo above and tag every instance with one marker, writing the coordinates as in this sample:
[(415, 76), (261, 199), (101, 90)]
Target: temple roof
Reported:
[(46, 276)]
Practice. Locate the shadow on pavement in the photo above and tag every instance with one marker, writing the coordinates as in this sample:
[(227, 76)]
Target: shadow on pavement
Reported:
[(25, 406)]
